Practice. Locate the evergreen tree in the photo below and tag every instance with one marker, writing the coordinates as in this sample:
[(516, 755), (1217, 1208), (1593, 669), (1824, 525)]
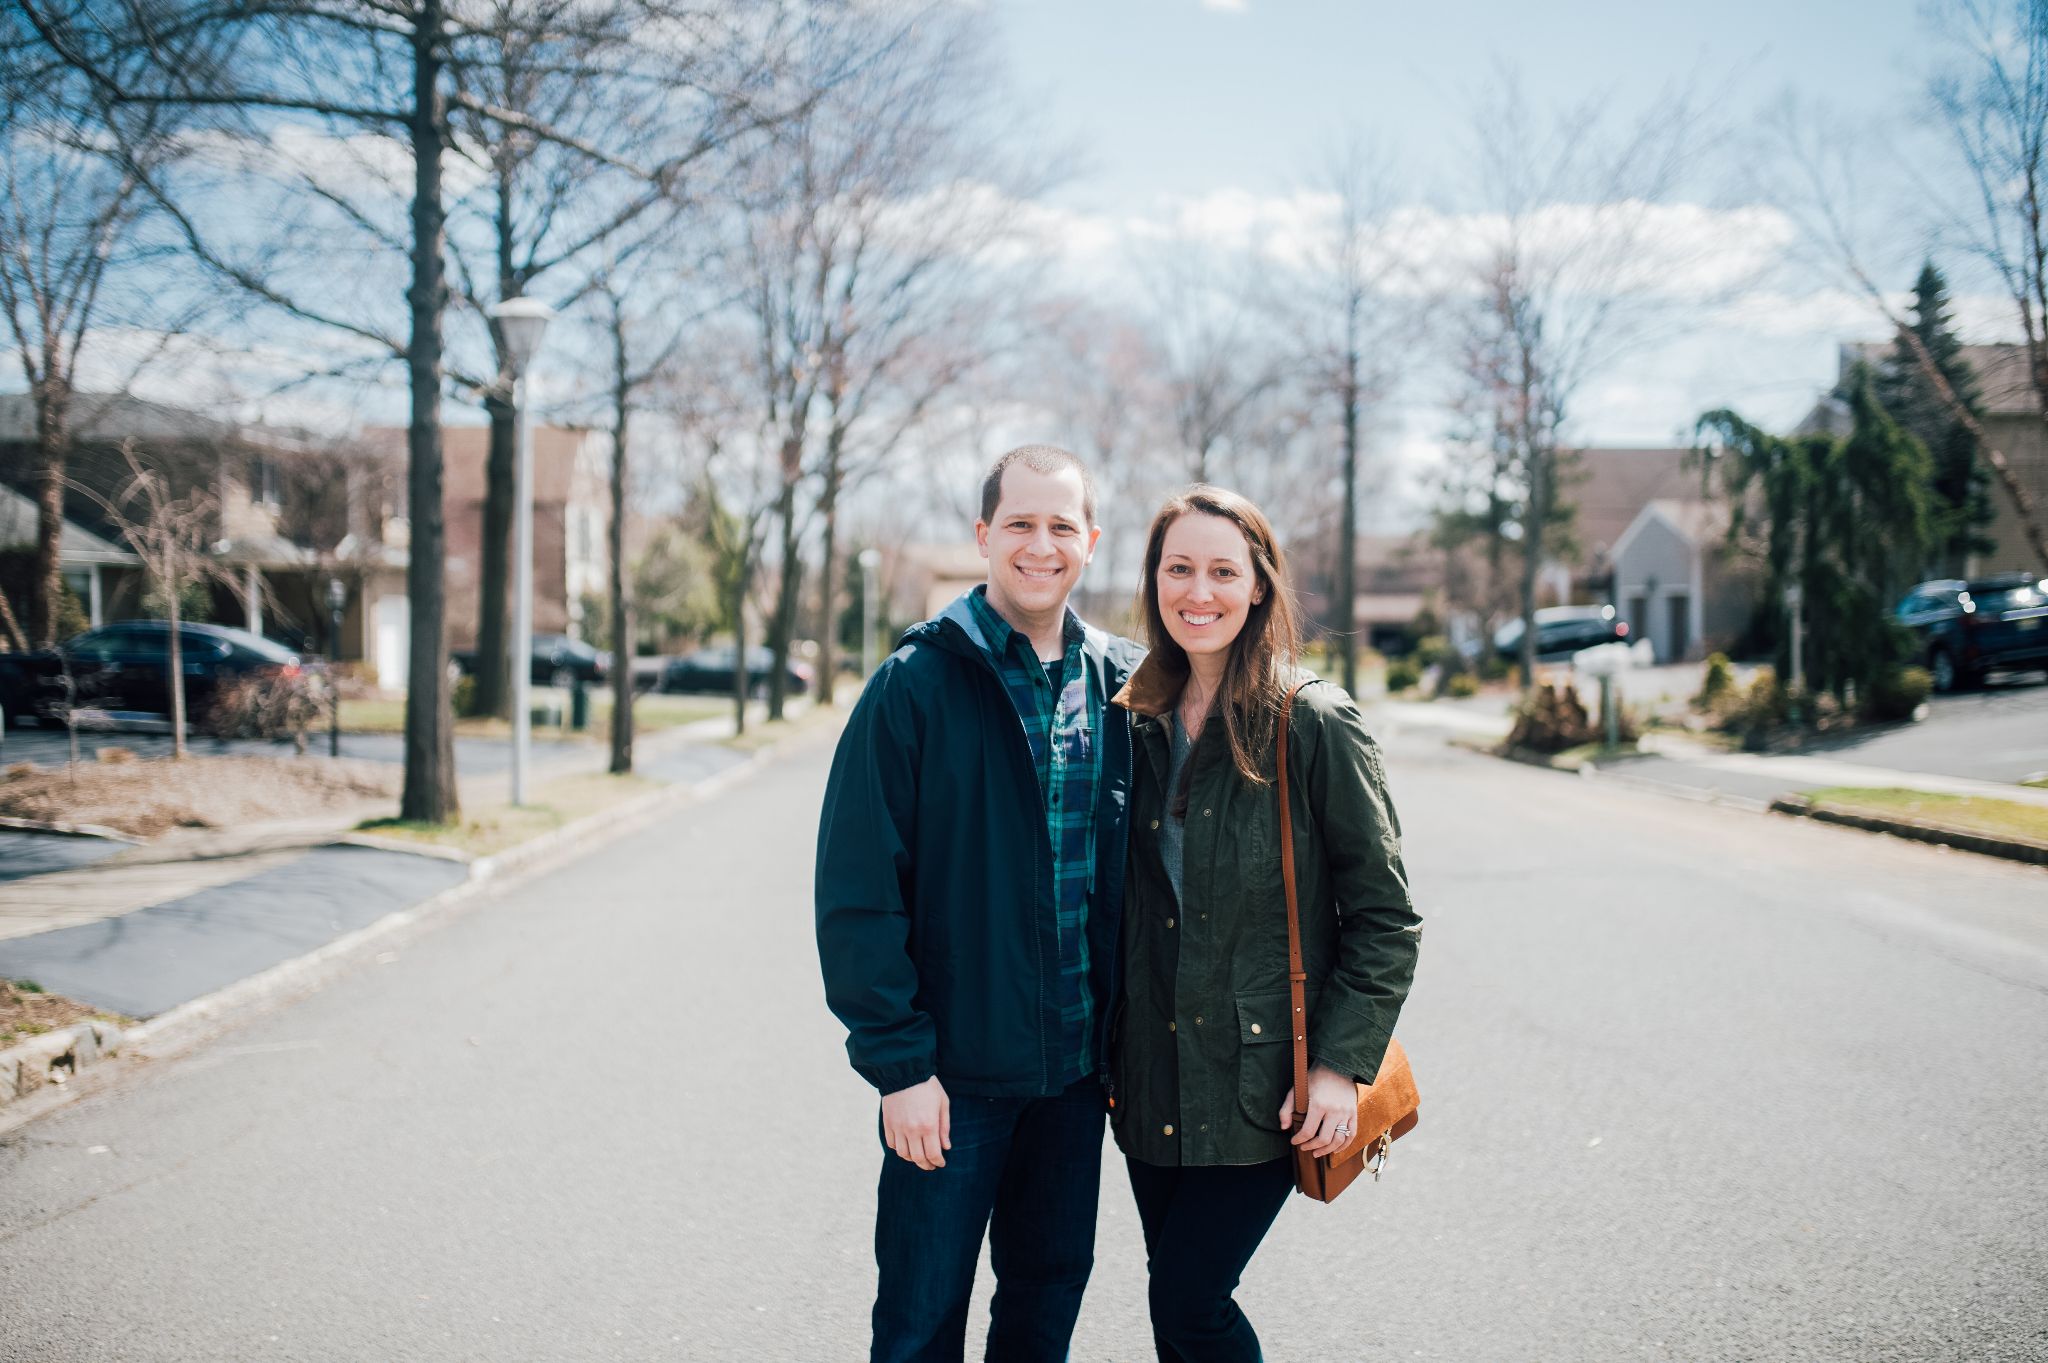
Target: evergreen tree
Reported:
[(1849, 519), (1961, 482)]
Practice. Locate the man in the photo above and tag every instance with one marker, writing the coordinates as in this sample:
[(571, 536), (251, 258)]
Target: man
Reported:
[(970, 877)]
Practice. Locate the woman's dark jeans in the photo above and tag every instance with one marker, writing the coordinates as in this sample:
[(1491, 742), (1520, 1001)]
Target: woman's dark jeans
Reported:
[(1201, 1228), (1028, 1172)]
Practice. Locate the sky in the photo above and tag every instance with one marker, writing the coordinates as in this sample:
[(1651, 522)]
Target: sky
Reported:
[(1196, 110)]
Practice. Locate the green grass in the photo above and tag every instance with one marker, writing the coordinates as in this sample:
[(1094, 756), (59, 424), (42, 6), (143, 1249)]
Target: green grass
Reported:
[(652, 713), (494, 828), (2038, 783), (1965, 813)]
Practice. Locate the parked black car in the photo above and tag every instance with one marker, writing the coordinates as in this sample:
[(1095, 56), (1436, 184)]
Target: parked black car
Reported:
[(1562, 631), (709, 671), (558, 660), (124, 668), (1967, 627)]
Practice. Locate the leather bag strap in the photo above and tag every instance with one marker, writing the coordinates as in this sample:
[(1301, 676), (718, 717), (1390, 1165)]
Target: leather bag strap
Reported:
[(1297, 976)]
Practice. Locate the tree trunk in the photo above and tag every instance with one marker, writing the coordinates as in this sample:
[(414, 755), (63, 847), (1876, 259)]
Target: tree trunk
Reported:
[(169, 583), (53, 448), (739, 641), (493, 691), (782, 627), (828, 576), (429, 794), (621, 605), (1347, 538)]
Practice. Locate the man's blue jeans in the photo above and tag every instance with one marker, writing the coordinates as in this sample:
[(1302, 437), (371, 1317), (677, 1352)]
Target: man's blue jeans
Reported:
[(1026, 1171)]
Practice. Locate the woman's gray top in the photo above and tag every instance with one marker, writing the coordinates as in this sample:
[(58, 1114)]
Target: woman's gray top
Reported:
[(1172, 830)]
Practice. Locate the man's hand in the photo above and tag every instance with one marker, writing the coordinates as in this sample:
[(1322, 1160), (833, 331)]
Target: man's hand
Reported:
[(918, 1123)]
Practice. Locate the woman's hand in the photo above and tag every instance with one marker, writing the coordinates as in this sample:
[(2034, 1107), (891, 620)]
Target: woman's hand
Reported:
[(1332, 1110)]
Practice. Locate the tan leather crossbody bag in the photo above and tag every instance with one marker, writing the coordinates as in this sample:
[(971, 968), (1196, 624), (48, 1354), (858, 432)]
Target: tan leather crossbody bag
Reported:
[(1388, 1106)]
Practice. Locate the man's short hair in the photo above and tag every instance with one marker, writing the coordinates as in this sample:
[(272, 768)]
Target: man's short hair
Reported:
[(1039, 459)]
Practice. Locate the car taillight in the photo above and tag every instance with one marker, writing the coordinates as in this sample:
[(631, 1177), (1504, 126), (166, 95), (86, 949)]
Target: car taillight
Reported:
[(1621, 628)]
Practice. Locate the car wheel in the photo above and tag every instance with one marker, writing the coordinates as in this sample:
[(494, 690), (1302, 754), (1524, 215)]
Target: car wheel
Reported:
[(1941, 666)]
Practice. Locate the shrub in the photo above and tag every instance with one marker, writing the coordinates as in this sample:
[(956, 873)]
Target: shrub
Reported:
[(464, 696), (1550, 719), (1493, 667), (273, 706), (1754, 712), (1402, 674), (1462, 685), (1715, 686), (1896, 693), (1433, 651)]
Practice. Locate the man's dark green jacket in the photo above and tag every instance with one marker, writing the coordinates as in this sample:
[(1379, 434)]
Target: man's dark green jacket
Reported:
[(1204, 1054), (936, 926)]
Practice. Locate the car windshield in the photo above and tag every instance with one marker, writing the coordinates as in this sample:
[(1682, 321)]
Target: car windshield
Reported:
[(2020, 598)]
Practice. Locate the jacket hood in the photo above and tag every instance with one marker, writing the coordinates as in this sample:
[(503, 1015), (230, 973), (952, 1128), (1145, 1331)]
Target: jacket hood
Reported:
[(956, 630)]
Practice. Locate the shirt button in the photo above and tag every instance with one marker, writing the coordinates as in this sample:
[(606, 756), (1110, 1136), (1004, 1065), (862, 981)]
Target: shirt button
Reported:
[(1169, 1128), (1255, 1029)]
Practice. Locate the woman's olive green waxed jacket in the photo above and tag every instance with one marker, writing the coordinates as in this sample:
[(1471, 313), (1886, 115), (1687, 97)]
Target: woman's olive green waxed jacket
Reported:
[(1201, 1057)]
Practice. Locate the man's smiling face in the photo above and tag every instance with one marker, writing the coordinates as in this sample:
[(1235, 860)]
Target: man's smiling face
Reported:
[(1037, 543)]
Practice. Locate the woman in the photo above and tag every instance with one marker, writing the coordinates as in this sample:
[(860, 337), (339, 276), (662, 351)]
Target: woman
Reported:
[(1202, 1059)]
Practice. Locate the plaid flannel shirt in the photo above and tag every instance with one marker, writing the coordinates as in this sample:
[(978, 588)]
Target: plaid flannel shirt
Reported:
[(1063, 729)]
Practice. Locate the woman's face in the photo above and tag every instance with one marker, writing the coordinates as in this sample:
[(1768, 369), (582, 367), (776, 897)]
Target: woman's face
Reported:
[(1206, 583)]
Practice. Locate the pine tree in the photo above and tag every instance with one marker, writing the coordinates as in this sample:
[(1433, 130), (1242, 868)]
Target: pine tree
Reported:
[(1961, 482)]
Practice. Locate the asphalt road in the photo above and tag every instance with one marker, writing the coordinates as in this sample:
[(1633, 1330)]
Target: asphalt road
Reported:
[(1996, 733), (1697, 1084)]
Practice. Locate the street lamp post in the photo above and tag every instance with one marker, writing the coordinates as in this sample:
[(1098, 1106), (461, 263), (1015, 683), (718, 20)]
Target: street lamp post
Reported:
[(337, 598), (869, 559), (521, 321)]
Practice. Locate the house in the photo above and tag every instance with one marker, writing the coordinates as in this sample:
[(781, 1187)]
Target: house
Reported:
[(290, 510), (104, 576), (571, 513), (1679, 584)]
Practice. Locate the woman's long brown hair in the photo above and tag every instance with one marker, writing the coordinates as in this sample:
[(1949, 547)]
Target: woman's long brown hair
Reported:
[(1254, 674)]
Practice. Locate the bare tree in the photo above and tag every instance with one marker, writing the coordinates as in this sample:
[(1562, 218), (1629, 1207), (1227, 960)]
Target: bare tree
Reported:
[(173, 536), (293, 85), (1993, 105), (1570, 276), (868, 267), (1342, 311), (71, 220)]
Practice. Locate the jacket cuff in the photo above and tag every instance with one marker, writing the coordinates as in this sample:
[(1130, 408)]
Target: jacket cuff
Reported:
[(889, 1079)]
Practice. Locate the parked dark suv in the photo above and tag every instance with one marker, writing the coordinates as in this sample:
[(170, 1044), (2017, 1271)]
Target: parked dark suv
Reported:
[(708, 671), (558, 660), (1965, 628), (1562, 631), (125, 668)]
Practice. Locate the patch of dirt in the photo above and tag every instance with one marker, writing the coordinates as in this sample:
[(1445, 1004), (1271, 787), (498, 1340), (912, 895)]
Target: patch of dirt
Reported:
[(147, 798), (23, 1015)]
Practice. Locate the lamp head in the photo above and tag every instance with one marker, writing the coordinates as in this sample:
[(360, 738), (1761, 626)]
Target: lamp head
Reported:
[(521, 320)]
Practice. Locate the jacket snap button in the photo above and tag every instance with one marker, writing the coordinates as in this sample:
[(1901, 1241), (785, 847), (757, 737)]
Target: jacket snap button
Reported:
[(1207, 812), (1173, 1026), (1198, 1019), (1169, 922), (1169, 1128), (1155, 823), (1255, 1029)]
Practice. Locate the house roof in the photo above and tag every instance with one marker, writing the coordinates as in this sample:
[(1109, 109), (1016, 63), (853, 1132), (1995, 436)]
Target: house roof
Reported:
[(106, 418), (1612, 486), (1700, 523), (2004, 387), (75, 543)]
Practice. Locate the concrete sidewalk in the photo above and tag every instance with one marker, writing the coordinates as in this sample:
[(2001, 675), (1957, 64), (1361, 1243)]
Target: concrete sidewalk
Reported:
[(141, 929), (1699, 768)]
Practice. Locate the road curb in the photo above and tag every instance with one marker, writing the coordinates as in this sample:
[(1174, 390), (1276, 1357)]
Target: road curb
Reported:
[(1984, 844), (70, 830), (191, 1024)]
